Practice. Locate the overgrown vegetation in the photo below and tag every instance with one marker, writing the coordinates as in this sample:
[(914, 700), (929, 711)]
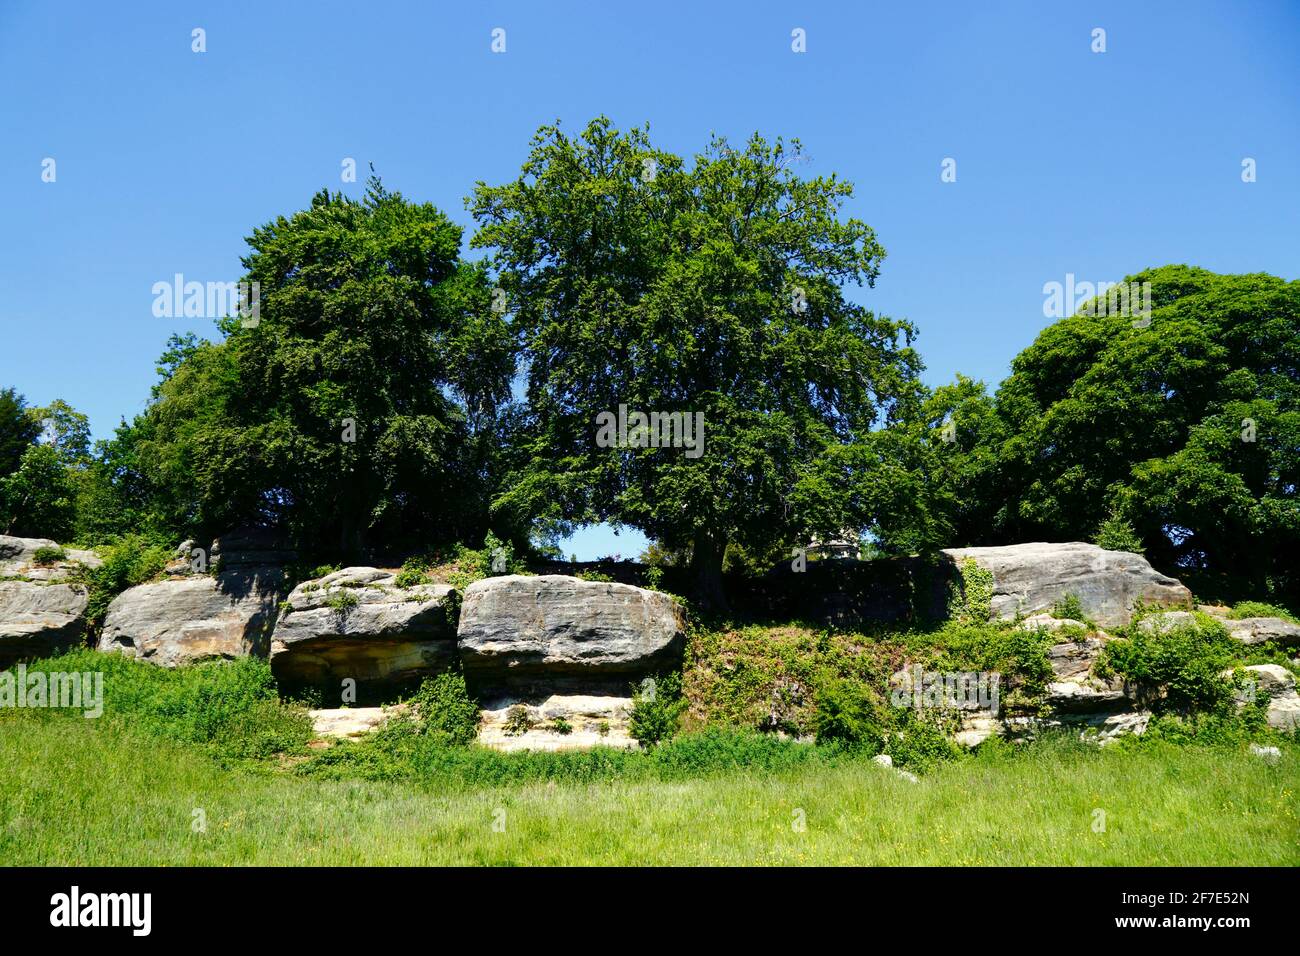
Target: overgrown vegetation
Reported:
[(128, 561), (445, 709), (657, 707)]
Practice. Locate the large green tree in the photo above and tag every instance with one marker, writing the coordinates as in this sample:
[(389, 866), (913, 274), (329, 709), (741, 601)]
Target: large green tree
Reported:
[(636, 279), (18, 430), (1187, 426), (357, 409)]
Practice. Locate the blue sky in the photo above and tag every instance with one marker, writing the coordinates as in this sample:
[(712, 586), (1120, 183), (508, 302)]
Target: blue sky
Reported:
[(1068, 161)]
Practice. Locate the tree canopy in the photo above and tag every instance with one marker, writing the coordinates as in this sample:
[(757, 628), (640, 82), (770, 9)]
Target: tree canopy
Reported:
[(358, 409), (714, 290), (1186, 428)]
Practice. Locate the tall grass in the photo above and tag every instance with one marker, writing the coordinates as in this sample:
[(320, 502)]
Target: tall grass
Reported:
[(92, 793)]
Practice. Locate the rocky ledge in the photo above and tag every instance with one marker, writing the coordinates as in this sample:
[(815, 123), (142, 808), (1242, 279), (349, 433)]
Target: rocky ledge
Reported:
[(1034, 577), (518, 629), (358, 624)]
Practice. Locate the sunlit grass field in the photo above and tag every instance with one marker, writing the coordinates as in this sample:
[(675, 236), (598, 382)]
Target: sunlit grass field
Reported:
[(86, 792)]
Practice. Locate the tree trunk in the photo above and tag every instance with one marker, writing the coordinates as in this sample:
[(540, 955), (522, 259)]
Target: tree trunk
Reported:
[(706, 567)]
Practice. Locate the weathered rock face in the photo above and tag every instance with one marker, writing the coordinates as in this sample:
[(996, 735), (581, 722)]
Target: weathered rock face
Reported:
[(1257, 630), (37, 620), (18, 559), (1028, 578), (348, 721), (1277, 684), (193, 618), (521, 627), (556, 722), (357, 623), (41, 610)]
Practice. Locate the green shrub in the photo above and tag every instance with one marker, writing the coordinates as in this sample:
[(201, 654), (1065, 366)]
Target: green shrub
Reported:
[(46, 555), (846, 713), (443, 706), (1180, 670), (128, 561), (1115, 534), (920, 739), (1069, 608), (593, 576), (410, 578), (1246, 609), (657, 707), (561, 726), (518, 721), (342, 601), (231, 708)]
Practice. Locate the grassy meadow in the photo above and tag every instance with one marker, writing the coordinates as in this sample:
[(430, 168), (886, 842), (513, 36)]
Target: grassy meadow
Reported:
[(87, 792)]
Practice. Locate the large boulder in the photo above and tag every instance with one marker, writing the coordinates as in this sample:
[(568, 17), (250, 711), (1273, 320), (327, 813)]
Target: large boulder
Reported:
[(32, 559), (1258, 630), (187, 619), (37, 620), (1028, 578), (551, 627), (358, 624)]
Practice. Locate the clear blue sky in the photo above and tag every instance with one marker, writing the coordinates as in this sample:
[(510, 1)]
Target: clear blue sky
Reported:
[(1068, 161)]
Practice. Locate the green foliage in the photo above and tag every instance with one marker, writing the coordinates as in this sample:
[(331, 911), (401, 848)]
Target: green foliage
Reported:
[(1186, 428), (657, 707), (561, 726), (847, 713), (129, 560), (46, 555), (1068, 609), (594, 576), (444, 707), (39, 499), (920, 740), (714, 287), (1245, 609), (519, 720), (1179, 670), (1116, 534), (654, 578), (64, 429), (341, 601), (976, 591), (18, 430), (361, 407), (231, 708), (399, 752), (411, 575)]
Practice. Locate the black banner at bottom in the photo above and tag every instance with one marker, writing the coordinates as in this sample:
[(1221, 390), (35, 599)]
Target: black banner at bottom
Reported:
[(339, 905)]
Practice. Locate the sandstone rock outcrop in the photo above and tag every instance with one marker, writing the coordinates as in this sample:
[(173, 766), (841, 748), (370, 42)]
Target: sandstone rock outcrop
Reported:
[(41, 609), (342, 722), (1028, 578), (37, 620), (1258, 630), (516, 628), (357, 623), (1277, 685), (193, 618), (18, 558), (556, 722)]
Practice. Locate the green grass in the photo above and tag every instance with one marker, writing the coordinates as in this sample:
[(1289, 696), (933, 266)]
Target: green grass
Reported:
[(82, 792)]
